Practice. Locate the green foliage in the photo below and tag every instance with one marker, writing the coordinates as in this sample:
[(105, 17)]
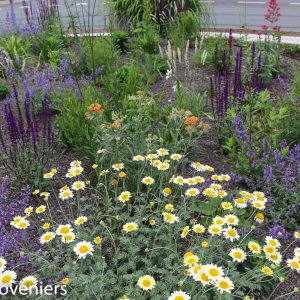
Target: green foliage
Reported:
[(189, 26), (271, 55), (75, 128), (126, 80), (135, 11), (49, 45), (205, 52), (16, 49), (265, 122), (185, 27), (191, 100), (202, 58), (120, 39), (4, 91), (97, 52), (153, 66), (148, 42), (296, 85)]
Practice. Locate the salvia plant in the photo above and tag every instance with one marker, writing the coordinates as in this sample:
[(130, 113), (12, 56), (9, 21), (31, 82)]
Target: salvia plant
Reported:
[(26, 143), (228, 86)]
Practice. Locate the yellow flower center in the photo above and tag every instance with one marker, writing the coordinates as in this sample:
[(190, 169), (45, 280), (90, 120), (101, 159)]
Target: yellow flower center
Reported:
[(69, 238), (48, 237), (197, 268), (28, 283), (269, 250), (231, 232), (213, 272), (188, 254), (238, 255), (191, 260), (22, 224), (83, 249), (179, 298), (295, 264), (146, 283), (223, 285), (273, 243), (6, 279), (204, 277), (64, 230)]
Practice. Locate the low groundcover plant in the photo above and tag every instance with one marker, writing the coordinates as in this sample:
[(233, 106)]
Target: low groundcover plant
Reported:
[(140, 236)]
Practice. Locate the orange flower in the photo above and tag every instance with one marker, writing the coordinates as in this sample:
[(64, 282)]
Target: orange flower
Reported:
[(95, 107), (114, 182), (116, 125), (191, 120)]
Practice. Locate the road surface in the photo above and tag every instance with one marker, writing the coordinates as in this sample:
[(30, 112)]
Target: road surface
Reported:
[(225, 13), (234, 13)]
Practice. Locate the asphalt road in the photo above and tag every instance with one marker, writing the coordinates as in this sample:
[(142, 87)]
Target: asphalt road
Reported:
[(234, 13), (225, 13)]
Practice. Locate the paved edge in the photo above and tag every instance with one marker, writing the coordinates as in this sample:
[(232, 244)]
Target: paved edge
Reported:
[(248, 37), (255, 38)]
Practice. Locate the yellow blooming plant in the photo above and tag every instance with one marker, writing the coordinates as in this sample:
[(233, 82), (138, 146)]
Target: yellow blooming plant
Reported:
[(142, 236)]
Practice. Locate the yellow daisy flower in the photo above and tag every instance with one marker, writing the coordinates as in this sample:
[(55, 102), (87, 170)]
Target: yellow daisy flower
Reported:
[(146, 282), (129, 227)]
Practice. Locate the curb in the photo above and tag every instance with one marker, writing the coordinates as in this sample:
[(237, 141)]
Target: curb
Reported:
[(285, 39), (295, 40)]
